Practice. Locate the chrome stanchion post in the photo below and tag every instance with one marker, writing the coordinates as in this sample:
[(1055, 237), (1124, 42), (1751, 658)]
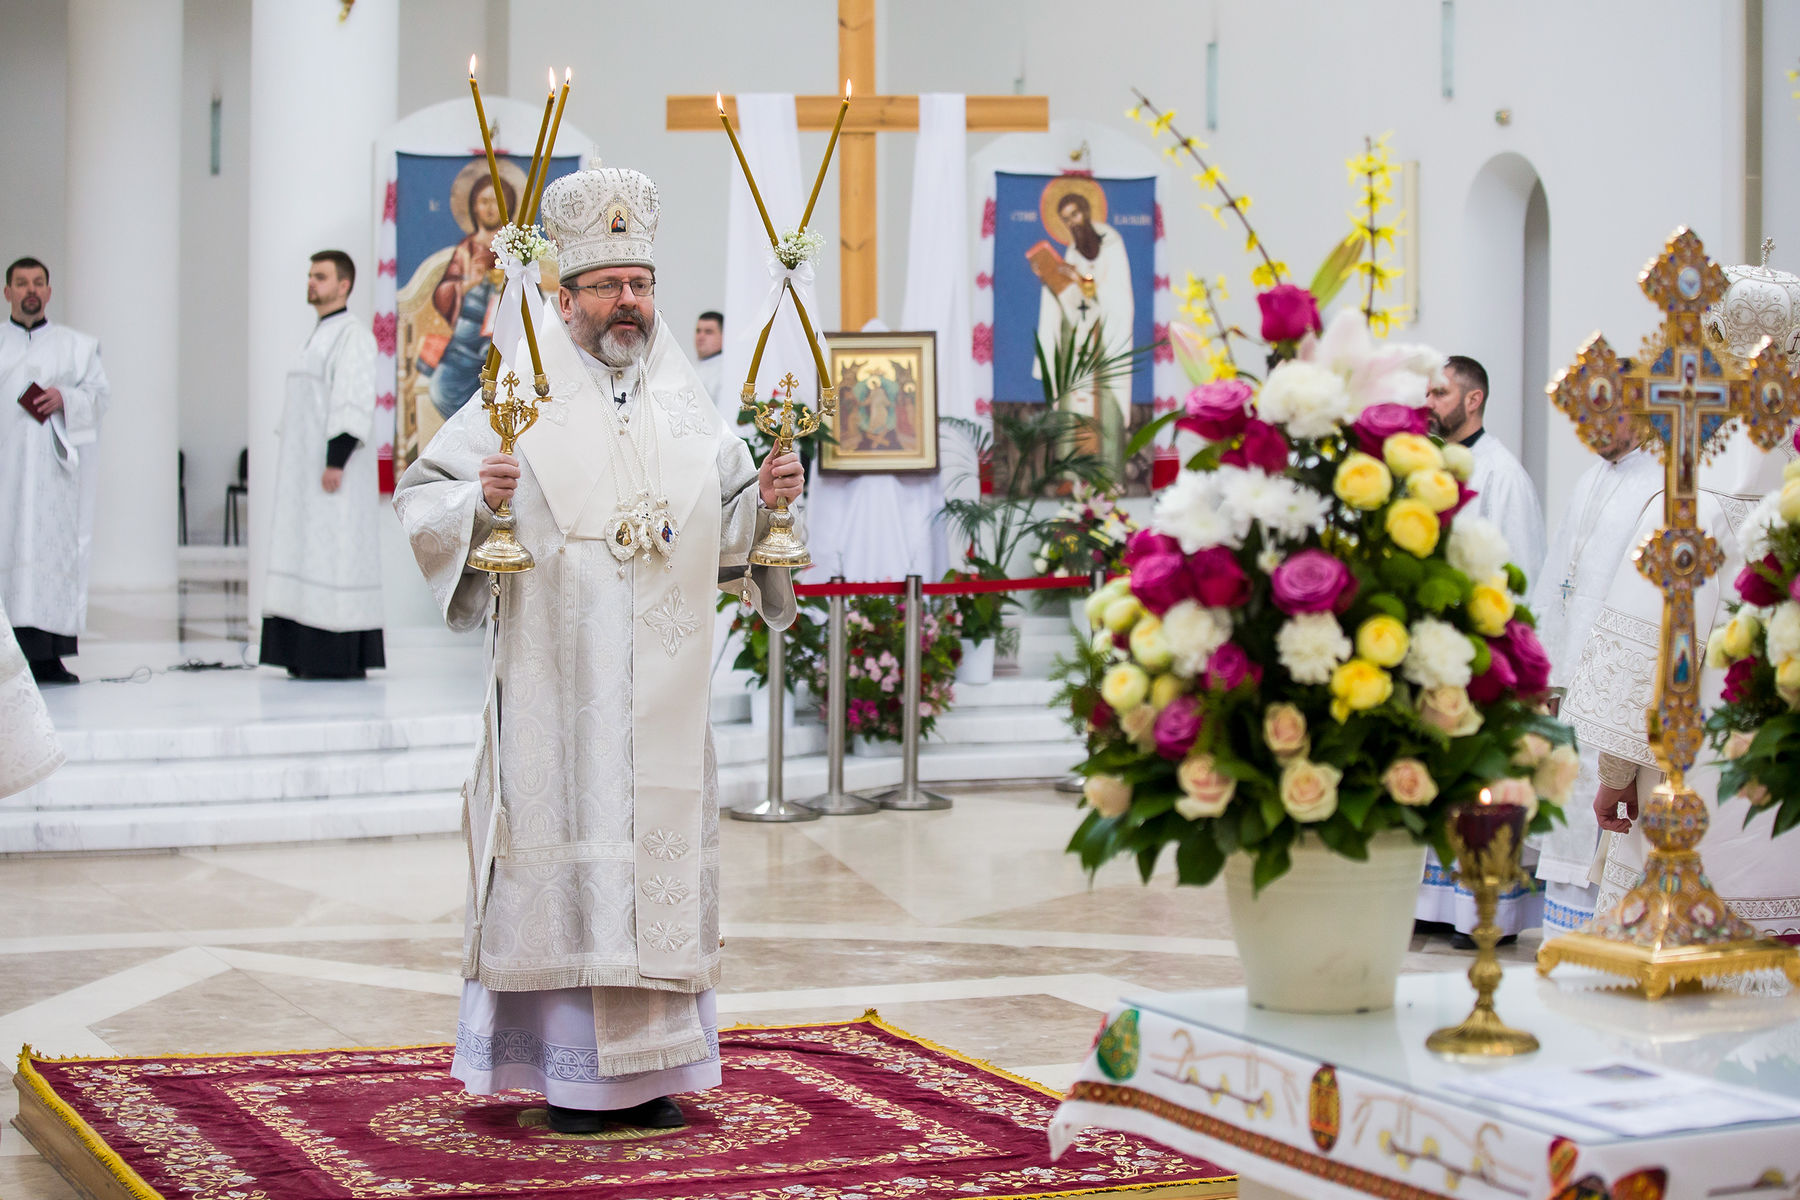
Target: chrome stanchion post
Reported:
[(1074, 783), (835, 801), (773, 807), (909, 796)]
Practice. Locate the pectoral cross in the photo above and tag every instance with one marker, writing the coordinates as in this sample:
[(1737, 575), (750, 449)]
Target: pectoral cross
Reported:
[(1683, 401)]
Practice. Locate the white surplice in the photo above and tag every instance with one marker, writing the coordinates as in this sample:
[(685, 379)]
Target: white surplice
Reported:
[(1506, 496), (47, 474), (581, 879), (29, 749), (1757, 875), (1592, 541), (324, 547)]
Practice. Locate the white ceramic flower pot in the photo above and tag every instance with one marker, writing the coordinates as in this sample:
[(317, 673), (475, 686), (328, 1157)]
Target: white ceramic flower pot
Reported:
[(759, 710), (1329, 936), (863, 747), (977, 665)]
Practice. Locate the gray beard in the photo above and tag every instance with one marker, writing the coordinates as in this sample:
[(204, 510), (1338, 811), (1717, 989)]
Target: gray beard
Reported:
[(612, 350)]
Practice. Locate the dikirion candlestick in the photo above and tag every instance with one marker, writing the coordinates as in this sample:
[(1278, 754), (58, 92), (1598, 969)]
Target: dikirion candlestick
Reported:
[(487, 144), (829, 147), (744, 165)]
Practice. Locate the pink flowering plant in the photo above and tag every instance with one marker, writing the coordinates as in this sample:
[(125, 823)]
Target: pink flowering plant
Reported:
[(1087, 534), (1313, 637), (876, 629), (1757, 727)]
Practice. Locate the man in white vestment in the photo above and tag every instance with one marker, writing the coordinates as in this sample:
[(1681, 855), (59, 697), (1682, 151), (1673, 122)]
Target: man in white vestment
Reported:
[(1504, 494), (1755, 873), (709, 362), (321, 615), (53, 392), (1089, 293), (591, 945), (1592, 542)]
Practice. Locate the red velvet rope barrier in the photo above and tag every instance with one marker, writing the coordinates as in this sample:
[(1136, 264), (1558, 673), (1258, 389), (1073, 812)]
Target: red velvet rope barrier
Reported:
[(963, 587)]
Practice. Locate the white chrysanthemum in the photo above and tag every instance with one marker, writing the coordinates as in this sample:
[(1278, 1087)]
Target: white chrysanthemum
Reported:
[(1754, 535), (1438, 655), (1311, 645), (1783, 633), (1191, 511), (1306, 398), (1477, 547), (1192, 633), (1301, 511), (1268, 558)]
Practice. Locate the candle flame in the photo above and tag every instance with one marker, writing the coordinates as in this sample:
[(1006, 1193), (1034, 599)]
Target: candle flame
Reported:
[(550, 74), (1486, 797), (846, 89), (720, 101), (471, 66), (568, 74)]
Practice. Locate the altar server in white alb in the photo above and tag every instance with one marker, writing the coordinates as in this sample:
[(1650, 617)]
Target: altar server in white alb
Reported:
[(1504, 494), (591, 947), (321, 614), (1593, 543), (53, 392)]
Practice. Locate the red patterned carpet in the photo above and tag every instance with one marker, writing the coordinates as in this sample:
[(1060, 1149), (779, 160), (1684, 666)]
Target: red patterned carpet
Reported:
[(856, 1110)]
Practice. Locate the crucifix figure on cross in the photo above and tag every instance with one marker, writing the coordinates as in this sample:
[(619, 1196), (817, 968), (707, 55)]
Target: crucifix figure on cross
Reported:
[(1682, 401)]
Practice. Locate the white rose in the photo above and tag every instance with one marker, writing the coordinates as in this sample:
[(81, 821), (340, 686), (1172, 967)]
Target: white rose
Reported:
[(1438, 655), (1459, 460), (1477, 547), (1190, 510), (1192, 633), (1311, 645), (1310, 400), (1783, 632), (1555, 776)]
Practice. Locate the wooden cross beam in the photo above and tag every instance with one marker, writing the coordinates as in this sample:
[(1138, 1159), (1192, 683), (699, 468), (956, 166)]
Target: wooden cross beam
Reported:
[(870, 114)]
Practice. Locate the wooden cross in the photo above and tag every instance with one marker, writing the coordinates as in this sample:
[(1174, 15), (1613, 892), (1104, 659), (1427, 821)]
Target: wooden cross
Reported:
[(870, 114), (1683, 400)]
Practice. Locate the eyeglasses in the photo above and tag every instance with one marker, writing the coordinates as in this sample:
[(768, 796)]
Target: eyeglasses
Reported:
[(611, 289)]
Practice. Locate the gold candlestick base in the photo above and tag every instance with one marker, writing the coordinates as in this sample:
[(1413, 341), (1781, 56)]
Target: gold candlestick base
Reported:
[(1482, 1033), (781, 546), (501, 552), (1672, 928)]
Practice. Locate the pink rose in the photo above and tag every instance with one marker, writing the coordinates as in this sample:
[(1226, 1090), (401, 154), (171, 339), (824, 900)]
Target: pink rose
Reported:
[(1108, 795), (1312, 581), (1101, 717), (1177, 725), (1146, 542), (1531, 666), (1755, 588), (1217, 411), (1161, 582), (1218, 580), (1756, 794), (1379, 422), (1737, 685), (1289, 313), (1261, 446), (1230, 666), (1449, 709), (1513, 790), (1205, 792), (1284, 731), (1738, 744), (1409, 782), (1498, 679)]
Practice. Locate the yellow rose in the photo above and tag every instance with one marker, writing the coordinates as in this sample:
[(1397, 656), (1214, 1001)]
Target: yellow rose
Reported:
[(1409, 782), (1363, 482), (1412, 525), (1437, 488), (1787, 675), (1309, 790), (1122, 614), (1205, 792), (1490, 608), (1114, 589), (1284, 731), (1163, 689), (1791, 471), (1409, 452), (1148, 645), (1125, 686), (1108, 795), (1790, 501), (1449, 709), (1459, 460), (1383, 641), (1357, 686), (1739, 638)]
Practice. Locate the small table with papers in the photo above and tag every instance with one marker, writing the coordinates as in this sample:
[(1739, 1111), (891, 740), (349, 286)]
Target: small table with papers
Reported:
[(1345, 1106)]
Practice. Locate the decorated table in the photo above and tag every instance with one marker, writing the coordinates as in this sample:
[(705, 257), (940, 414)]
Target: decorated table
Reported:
[(1339, 1106)]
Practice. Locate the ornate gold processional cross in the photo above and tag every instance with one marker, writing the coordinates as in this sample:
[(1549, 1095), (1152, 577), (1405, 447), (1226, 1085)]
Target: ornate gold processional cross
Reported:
[(1682, 400)]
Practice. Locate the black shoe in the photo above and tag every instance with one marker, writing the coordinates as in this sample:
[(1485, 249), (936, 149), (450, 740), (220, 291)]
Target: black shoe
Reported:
[(576, 1120), (1428, 928), (1462, 941), (51, 670), (660, 1113)]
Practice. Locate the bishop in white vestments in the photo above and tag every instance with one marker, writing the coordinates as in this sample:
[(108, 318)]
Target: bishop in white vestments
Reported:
[(1592, 543), (53, 392), (591, 945), (1754, 872), (321, 614)]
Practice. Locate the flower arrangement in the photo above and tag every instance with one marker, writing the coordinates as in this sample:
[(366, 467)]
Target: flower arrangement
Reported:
[(805, 648), (1309, 638), (798, 246), (1757, 728), (1087, 534), (526, 243), (876, 629)]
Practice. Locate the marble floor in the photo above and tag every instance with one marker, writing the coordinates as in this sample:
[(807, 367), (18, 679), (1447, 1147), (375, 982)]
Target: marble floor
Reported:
[(969, 926)]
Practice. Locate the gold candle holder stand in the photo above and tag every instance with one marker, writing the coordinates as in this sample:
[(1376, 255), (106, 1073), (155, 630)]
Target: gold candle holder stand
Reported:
[(785, 422), (502, 553), (1482, 1034)]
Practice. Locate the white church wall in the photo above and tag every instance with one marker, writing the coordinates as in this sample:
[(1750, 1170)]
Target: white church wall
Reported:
[(436, 39), (1781, 134), (33, 80)]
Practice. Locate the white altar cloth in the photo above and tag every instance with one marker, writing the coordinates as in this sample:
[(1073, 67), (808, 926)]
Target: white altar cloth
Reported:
[(1353, 1106)]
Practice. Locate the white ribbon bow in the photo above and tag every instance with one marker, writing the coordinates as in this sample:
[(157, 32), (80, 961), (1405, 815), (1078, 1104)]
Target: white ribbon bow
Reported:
[(780, 276), (509, 327)]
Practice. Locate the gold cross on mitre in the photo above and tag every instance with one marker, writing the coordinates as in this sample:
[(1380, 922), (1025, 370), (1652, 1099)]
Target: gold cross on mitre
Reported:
[(1682, 401)]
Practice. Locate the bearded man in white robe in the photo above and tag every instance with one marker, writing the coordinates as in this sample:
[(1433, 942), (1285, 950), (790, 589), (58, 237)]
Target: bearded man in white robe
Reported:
[(1592, 543), (321, 614), (1089, 293), (53, 392), (1755, 873), (591, 945), (1504, 494)]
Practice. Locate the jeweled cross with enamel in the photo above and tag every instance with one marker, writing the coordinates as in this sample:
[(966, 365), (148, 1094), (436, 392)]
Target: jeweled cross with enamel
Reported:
[(1683, 401)]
